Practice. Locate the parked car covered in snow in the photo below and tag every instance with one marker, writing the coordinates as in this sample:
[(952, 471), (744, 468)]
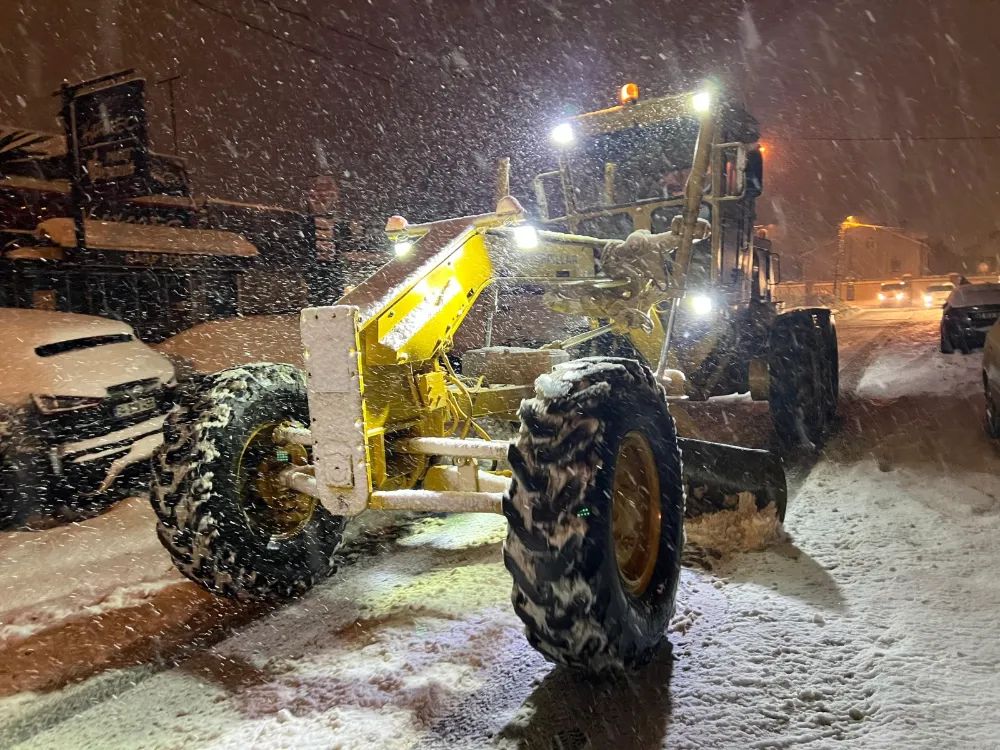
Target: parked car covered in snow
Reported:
[(969, 313), (82, 404)]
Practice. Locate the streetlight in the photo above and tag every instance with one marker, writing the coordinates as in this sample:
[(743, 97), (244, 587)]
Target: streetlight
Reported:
[(841, 231)]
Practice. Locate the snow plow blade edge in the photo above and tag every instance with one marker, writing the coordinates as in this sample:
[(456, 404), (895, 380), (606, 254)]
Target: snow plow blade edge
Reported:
[(714, 473)]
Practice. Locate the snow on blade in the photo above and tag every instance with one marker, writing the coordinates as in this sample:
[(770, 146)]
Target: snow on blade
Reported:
[(744, 529)]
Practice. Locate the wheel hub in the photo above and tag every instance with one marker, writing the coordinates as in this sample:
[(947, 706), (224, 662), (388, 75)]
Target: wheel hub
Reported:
[(635, 512), (269, 505)]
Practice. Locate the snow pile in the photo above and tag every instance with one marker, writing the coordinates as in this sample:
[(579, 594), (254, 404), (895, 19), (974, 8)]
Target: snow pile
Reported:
[(920, 369), (458, 531), (420, 632), (744, 529), (409, 663)]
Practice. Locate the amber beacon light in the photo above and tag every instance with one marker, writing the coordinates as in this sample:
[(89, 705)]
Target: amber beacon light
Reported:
[(629, 93)]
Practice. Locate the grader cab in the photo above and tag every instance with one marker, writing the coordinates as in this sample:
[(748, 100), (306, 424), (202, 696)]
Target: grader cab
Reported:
[(262, 465)]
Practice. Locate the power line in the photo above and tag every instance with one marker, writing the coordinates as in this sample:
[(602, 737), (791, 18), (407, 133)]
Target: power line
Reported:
[(328, 26), (289, 42), (881, 139)]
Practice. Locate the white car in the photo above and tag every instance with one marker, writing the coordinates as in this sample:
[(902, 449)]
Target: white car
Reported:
[(82, 404), (937, 294)]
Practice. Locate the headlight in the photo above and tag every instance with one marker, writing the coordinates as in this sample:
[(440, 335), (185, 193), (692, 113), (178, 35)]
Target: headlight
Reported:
[(402, 247), (701, 304), (562, 134), (526, 237), (701, 101), (899, 295), (881, 296), (928, 299), (52, 404)]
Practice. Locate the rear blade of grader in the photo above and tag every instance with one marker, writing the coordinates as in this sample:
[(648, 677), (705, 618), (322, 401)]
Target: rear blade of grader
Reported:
[(715, 474)]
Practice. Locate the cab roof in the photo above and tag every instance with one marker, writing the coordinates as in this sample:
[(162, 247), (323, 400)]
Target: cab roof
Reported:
[(737, 124)]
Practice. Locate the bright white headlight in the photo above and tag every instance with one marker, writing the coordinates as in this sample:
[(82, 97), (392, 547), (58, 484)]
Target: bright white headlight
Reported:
[(563, 134), (701, 101), (701, 304), (402, 247), (526, 237)]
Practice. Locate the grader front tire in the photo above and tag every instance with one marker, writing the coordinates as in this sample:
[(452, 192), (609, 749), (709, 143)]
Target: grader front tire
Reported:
[(801, 382), (226, 521), (595, 515)]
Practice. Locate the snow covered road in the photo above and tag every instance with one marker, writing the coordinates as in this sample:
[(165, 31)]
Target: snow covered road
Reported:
[(874, 626)]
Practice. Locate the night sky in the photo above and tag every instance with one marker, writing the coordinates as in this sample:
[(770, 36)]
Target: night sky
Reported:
[(416, 99)]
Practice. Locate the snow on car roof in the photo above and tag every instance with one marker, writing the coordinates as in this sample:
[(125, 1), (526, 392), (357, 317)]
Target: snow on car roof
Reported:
[(39, 327), (219, 344), (968, 295)]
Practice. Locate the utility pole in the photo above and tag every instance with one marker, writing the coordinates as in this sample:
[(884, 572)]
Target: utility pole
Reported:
[(173, 110), (841, 232)]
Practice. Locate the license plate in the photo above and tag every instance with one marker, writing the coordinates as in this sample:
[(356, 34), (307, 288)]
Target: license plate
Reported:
[(135, 407), (989, 315)]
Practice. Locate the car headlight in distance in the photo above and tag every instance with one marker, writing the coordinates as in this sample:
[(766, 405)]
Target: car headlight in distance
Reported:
[(562, 134), (526, 237), (52, 404), (928, 300), (701, 304), (881, 296), (899, 295)]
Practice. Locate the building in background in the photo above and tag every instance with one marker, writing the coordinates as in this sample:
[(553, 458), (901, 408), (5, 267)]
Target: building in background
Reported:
[(876, 252)]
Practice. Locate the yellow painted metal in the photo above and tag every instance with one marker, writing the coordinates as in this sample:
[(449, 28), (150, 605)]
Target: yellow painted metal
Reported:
[(635, 512), (682, 420), (418, 325), (410, 310), (268, 504), (501, 401), (432, 389), (556, 257)]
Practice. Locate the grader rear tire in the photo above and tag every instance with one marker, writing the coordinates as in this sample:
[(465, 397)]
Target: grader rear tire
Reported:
[(226, 521), (800, 382), (595, 515)]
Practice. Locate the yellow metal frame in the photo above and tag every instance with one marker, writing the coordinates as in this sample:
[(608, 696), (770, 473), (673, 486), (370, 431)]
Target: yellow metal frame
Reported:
[(410, 310)]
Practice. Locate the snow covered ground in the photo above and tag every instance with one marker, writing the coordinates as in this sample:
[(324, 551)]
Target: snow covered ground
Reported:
[(874, 626), (80, 569)]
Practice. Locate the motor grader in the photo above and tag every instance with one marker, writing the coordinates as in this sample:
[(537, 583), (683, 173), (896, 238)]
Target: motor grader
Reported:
[(263, 464)]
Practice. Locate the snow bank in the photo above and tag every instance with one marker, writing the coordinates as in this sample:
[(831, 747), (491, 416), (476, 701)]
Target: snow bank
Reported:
[(918, 368)]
